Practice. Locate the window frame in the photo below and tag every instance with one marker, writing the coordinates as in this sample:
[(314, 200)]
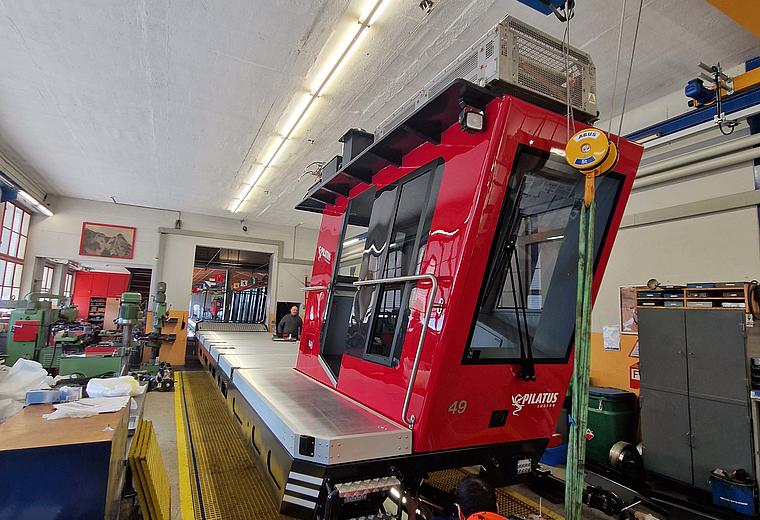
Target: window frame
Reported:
[(48, 273), (18, 270), (336, 268), (435, 169), (26, 216), (68, 285), (601, 236)]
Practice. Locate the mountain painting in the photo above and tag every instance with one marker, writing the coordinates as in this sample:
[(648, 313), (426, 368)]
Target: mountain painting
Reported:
[(107, 240)]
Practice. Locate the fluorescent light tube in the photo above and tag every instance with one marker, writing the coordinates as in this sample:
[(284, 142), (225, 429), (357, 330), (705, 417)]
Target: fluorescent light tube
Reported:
[(31, 201), (306, 101)]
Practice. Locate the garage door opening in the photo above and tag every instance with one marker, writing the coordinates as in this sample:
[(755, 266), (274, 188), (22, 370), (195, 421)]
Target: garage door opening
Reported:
[(230, 286)]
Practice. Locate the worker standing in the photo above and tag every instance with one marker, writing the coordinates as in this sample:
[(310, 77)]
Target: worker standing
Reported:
[(290, 324)]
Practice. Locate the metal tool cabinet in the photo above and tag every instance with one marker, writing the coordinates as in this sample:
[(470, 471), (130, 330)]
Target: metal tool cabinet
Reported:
[(695, 411)]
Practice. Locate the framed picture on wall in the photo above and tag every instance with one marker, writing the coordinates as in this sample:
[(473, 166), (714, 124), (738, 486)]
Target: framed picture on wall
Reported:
[(107, 240)]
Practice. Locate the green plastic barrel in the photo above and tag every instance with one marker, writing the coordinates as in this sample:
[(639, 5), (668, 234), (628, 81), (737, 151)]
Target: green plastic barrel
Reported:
[(611, 418)]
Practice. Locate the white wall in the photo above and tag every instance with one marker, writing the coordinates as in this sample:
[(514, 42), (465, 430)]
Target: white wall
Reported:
[(58, 237)]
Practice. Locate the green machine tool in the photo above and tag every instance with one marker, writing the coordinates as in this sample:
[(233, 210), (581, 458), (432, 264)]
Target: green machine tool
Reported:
[(159, 374), (29, 327), (117, 362)]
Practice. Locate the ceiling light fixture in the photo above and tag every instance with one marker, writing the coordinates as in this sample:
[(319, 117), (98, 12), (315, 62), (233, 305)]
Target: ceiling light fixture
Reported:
[(34, 203), (307, 100)]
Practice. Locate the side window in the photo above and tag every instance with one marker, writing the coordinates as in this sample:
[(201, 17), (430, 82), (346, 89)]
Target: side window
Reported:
[(527, 303), (405, 249), (346, 271), (375, 249), (354, 236), (396, 240)]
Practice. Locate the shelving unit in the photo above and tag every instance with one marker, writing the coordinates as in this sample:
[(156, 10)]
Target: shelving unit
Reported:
[(97, 311), (714, 296)]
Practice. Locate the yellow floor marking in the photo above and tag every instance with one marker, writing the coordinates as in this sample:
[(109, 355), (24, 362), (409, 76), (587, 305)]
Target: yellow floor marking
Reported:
[(545, 513), (185, 494)]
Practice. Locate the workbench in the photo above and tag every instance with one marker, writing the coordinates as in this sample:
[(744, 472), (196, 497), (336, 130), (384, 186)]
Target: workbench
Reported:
[(65, 468)]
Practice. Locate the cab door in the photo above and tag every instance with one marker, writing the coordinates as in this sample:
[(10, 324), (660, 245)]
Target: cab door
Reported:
[(397, 236)]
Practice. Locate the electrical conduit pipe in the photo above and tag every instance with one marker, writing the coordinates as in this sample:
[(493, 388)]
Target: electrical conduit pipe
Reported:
[(697, 168), (701, 155)]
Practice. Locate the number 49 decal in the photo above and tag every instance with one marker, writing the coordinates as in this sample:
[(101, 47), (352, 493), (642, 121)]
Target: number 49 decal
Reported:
[(458, 407)]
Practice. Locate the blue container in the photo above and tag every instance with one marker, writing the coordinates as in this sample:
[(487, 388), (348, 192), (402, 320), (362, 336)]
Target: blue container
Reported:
[(555, 456), (732, 494)]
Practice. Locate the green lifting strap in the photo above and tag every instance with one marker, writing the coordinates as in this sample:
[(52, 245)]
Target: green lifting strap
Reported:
[(576, 453)]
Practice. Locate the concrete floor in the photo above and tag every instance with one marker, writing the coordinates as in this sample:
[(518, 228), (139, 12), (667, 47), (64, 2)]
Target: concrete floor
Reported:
[(159, 408)]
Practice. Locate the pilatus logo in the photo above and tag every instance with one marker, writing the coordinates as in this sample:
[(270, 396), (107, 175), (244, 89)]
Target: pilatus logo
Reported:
[(324, 253), (540, 400)]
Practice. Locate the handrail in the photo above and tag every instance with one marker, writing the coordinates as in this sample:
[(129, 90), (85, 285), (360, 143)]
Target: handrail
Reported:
[(315, 288), (428, 311)]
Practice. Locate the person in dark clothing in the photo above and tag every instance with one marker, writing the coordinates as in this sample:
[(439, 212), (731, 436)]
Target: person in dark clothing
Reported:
[(476, 500), (290, 324)]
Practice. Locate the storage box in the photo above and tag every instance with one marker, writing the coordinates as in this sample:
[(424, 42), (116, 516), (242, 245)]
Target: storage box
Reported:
[(611, 418), (42, 396), (731, 493)]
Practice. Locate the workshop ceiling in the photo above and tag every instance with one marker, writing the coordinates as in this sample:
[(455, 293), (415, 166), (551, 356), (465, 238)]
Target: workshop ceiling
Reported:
[(170, 104)]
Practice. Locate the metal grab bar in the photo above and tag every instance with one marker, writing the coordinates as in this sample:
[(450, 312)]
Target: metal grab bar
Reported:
[(315, 288), (428, 311)]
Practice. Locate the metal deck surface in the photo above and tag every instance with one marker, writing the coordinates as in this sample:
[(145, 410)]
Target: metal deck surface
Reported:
[(218, 352), (218, 343), (286, 359), (236, 338), (293, 405)]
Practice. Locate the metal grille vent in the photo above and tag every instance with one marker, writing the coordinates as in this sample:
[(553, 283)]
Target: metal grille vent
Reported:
[(540, 64), (489, 49), (466, 70), (463, 70)]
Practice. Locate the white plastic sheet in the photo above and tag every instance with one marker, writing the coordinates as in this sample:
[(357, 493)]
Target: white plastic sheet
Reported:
[(87, 407), (114, 387), (15, 381)]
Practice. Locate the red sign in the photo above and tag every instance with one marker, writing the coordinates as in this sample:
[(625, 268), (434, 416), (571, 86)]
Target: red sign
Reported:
[(219, 277), (635, 381)]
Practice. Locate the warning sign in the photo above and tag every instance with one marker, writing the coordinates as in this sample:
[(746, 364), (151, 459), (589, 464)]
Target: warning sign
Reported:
[(635, 350), (635, 376)]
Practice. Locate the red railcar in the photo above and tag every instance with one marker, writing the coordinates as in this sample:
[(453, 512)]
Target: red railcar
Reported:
[(482, 227)]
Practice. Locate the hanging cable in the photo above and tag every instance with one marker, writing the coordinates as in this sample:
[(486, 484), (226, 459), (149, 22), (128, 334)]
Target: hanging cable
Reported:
[(617, 67), (630, 69), (566, 55)]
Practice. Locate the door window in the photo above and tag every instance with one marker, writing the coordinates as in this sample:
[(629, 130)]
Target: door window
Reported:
[(398, 232)]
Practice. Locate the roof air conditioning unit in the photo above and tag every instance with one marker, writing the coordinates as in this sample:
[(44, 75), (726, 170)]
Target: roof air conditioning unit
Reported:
[(515, 58)]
